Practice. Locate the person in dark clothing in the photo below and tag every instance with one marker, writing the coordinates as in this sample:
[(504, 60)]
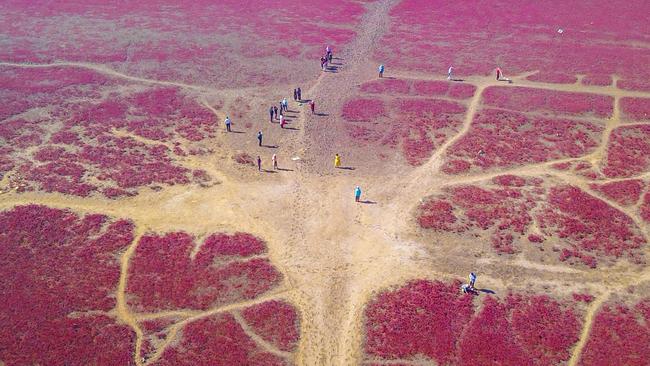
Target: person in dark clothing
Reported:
[(299, 94), (271, 114), (275, 112), (259, 138), (259, 163), (295, 95)]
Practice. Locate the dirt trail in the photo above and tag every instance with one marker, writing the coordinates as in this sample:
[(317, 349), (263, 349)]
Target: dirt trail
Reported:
[(335, 254)]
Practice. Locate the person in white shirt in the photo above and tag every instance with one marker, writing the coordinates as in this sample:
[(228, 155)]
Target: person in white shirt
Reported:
[(449, 72)]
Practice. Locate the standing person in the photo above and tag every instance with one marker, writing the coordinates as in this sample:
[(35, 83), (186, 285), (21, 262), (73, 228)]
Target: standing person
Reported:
[(295, 95), (299, 94), (472, 280), (328, 49), (275, 112), (450, 72), (259, 138), (323, 62), (227, 122), (312, 105), (285, 104), (283, 122), (498, 73), (357, 194), (337, 161), (259, 163), (329, 56), (271, 114), (275, 162), (381, 70)]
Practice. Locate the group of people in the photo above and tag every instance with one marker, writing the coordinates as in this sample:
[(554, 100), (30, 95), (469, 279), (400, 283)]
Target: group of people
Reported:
[(327, 58), (274, 160), (468, 288)]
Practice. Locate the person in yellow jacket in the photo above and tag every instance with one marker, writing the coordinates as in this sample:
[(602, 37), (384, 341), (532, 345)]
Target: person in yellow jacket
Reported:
[(337, 161)]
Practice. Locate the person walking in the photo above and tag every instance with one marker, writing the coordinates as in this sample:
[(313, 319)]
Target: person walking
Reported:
[(329, 57), (337, 161), (259, 163), (299, 94), (295, 95), (357, 194), (381, 70), (312, 105), (275, 162), (283, 122), (275, 112), (450, 72), (259, 138), (472, 280), (228, 122), (498, 73), (271, 114)]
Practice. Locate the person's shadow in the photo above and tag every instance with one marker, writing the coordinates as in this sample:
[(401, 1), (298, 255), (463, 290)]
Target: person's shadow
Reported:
[(485, 290), (368, 202)]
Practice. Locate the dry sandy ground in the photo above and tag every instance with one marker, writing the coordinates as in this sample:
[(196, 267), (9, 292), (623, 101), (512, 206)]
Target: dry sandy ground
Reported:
[(337, 254)]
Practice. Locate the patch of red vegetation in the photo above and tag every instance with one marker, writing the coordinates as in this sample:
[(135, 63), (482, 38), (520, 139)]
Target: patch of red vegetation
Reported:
[(553, 77), (624, 192), (620, 335), (549, 101), (91, 153), (587, 228), (217, 340), (558, 40), (591, 227), (597, 80), (418, 126), (628, 152), (425, 88), (500, 138), (163, 275), (363, 110), (386, 86), (416, 319), (276, 322), (218, 51), (635, 109), (57, 269), (443, 89), (437, 321)]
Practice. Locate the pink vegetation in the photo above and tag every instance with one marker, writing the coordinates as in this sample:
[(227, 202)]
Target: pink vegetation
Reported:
[(628, 151), (425, 88), (66, 267), (429, 36), (386, 86), (549, 101), (276, 322), (619, 336), (625, 192), (553, 77), (437, 321), (163, 275), (500, 138), (363, 110), (88, 155), (588, 228), (636, 109), (217, 340)]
